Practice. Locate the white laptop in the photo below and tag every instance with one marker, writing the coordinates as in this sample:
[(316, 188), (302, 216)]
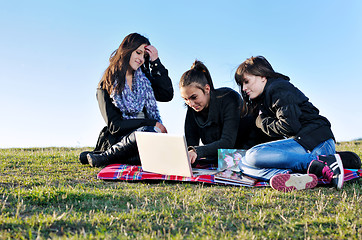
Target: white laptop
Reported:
[(165, 154)]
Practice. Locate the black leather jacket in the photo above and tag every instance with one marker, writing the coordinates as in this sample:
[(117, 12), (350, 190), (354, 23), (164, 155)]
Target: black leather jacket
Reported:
[(286, 112)]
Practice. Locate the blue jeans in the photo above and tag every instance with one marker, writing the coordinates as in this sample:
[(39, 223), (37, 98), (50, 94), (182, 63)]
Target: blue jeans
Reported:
[(268, 159)]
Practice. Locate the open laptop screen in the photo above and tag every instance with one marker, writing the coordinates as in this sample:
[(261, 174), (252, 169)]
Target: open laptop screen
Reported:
[(163, 153)]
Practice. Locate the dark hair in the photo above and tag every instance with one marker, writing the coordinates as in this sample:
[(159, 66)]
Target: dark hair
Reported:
[(119, 62), (198, 75), (257, 66)]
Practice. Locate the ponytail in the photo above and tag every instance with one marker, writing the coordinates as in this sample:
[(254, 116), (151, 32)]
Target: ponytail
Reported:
[(198, 75)]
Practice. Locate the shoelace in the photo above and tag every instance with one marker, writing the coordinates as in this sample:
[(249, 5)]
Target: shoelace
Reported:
[(327, 173)]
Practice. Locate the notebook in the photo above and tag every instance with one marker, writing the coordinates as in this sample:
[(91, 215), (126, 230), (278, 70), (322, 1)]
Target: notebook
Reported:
[(165, 154)]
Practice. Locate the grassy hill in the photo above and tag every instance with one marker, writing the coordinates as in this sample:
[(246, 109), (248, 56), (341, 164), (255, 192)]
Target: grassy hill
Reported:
[(46, 193)]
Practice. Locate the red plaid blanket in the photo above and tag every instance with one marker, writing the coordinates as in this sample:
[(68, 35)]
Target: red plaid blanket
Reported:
[(125, 172), (133, 173)]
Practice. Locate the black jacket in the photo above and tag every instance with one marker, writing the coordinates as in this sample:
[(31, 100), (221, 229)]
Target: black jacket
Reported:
[(250, 135), (117, 127), (286, 112), (218, 128)]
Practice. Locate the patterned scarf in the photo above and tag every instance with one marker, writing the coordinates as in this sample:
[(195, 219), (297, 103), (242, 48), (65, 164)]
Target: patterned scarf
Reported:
[(132, 102)]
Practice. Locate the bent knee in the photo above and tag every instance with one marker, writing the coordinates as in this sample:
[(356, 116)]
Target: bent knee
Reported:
[(255, 157)]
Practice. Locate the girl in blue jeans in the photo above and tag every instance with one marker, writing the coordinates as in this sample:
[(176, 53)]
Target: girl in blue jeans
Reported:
[(308, 148)]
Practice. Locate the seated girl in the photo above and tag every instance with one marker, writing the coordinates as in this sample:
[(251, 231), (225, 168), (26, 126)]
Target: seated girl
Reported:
[(213, 116), (284, 111), (127, 95)]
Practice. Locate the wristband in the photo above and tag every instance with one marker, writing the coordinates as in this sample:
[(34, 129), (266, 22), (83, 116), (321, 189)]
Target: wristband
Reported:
[(191, 148)]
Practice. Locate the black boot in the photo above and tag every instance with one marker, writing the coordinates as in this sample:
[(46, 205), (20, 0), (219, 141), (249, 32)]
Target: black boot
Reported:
[(122, 152), (350, 159), (83, 156)]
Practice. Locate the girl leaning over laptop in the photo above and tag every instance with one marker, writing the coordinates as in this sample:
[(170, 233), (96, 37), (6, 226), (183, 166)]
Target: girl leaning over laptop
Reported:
[(213, 116), (127, 95)]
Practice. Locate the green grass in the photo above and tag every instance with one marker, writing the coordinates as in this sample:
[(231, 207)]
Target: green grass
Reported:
[(45, 193)]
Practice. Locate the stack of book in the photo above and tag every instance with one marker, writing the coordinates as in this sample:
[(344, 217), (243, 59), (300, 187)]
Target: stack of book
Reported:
[(228, 171)]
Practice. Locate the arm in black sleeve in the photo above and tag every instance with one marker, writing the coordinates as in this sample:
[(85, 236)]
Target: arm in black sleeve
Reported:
[(231, 111), (113, 117), (285, 122), (160, 81)]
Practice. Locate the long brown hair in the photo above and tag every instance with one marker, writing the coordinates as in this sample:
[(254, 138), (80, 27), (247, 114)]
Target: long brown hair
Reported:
[(257, 66), (198, 75), (119, 62)]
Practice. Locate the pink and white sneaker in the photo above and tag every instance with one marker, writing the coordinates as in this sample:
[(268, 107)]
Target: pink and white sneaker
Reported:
[(289, 182), (329, 167)]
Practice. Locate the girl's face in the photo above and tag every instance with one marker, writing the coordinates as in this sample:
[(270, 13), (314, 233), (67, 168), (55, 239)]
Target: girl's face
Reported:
[(137, 57), (253, 85), (195, 98)]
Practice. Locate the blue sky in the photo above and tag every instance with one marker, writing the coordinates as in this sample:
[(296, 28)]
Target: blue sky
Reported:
[(53, 54)]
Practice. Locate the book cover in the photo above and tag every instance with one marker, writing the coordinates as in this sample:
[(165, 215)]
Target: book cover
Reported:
[(228, 167), (229, 159)]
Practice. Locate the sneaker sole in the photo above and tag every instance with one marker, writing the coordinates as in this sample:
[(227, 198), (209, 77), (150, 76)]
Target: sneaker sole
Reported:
[(341, 175), (290, 182)]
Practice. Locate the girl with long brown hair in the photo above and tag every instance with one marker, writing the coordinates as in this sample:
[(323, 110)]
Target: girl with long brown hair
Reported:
[(127, 94)]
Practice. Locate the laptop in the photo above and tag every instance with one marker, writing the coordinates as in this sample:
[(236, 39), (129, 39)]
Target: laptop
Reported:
[(165, 154)]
